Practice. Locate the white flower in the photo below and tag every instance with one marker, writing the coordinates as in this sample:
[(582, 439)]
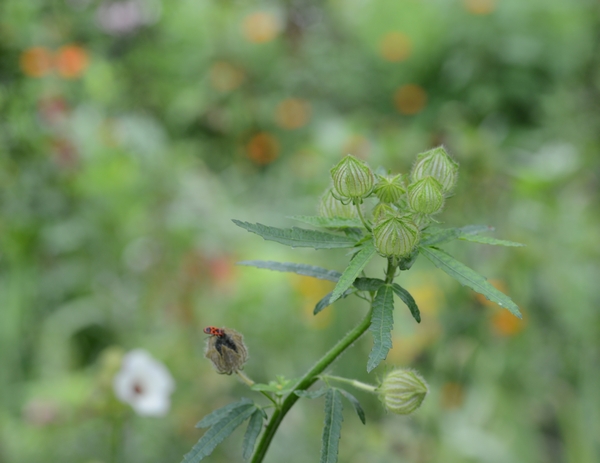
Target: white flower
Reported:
[(144, 383)]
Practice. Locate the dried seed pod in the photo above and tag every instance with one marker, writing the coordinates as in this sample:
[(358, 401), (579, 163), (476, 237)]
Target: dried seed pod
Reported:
[(226, 350)]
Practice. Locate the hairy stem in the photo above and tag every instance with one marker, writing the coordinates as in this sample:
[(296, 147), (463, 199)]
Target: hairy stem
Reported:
[(352, 382), (309, 378)]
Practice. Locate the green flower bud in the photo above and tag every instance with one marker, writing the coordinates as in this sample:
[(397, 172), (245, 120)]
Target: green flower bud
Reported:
[(227, 351), (439, 165), (402, 391), (425, 196), (352, 178), (331, 207), (395, 236), (383, 211), (389, 189)]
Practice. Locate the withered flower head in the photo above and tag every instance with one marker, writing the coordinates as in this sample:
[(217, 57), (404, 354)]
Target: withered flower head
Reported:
[(226, 350)]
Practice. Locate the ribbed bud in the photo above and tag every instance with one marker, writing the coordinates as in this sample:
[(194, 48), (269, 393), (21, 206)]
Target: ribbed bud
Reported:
[(383, 211), (402, 391), (425, 196), (389, 189), (331, 207), (395, 236), (226, 351), (352, 178), (439, 165)]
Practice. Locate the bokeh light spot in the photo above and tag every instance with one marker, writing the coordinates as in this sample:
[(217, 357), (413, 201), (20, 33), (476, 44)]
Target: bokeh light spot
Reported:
[(292, 113), (260, 27), (71, 61), (453, 395), (263, 148), (225, 77), (410, 99), (480, 7), (395, 47), (36, 61)]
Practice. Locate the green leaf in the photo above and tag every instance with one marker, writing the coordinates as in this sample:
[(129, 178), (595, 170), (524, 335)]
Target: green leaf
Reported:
[(489, 240), (215, 435), (469, 277), (443, 235), (221, 413), (382, 322), (279, 387), (312, 394), (326, 300), (356, 404), (327, 222), (298, 237), (300, 269), (408, 300), (368, 284), (252, 431), (332, 428), (356, 265)]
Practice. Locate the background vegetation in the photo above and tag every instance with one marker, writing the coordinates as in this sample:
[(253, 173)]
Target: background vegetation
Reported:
[(132, 131)]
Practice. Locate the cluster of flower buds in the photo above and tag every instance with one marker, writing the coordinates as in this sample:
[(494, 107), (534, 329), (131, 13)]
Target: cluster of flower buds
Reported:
[(402, 211)]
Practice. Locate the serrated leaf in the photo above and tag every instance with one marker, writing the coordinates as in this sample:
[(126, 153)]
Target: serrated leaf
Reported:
[(312, 394), (300, 269), (298, 237), (443, 235), (221, 413), (332, 428), (217, 433), (489, 240), (326, 300), (368, 284), (327, 222), (382, 322), (469, 277), (356, 265), (252, 431), (408, 300), (356, 404)]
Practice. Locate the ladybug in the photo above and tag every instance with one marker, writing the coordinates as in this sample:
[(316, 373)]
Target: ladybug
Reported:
[(223, 339)]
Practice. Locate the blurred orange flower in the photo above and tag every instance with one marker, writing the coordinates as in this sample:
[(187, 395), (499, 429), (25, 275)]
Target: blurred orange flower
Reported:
[(395, 47), (292, 113), (410, 99), (260, 27), (263, 148), (480, 7), (225, 77), (71, 61), (36, 61), (506, 324)]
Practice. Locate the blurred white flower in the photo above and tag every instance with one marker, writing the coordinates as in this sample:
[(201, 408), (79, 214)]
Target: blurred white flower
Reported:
[(144, 383)]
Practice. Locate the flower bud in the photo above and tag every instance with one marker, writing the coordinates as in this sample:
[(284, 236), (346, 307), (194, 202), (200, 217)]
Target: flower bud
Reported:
[(402, 391), (227, 351), (425, 196), (383, 211), (395, 236), (439, 165), (352, 178), (331, 207), (389, 189)]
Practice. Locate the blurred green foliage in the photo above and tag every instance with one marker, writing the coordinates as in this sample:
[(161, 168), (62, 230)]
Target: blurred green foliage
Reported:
[(131, 131)]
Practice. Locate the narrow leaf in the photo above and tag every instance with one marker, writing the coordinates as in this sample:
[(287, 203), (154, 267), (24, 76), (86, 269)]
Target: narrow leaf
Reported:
[(469, 277), (215, 435), (300, 269), (221, 413), (298, 237), (408, 300), (356, 404), (327, 222), (252, 431), (443, 235), (326, 301), (382, 322), (332, 428), (489, 240), (356, 265), (312, 394)]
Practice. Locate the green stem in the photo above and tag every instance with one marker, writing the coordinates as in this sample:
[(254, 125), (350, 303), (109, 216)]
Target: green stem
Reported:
[(362, 218), (309, 378), (352, 382)]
